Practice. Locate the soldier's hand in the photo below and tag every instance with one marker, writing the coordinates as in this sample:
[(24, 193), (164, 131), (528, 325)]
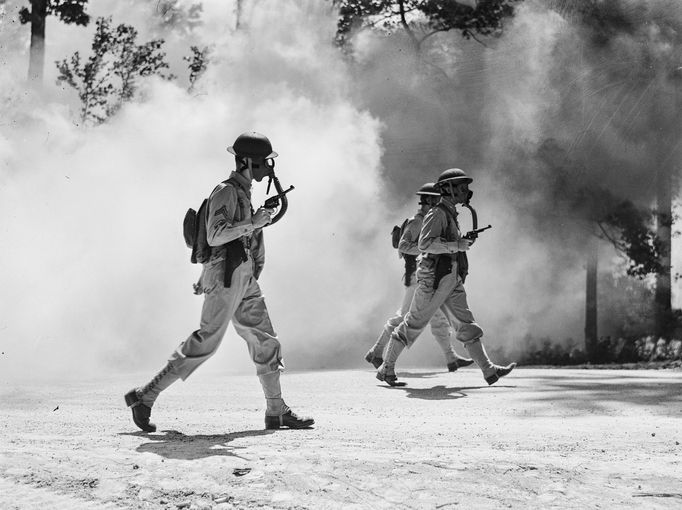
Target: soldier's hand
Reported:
[(261, 217), (460, 245)]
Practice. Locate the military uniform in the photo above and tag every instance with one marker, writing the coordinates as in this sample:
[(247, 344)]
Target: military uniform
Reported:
[(440, 326), (236, 297), (439, 233)]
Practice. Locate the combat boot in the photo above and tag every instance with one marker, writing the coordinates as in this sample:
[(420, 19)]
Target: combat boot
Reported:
[(386, 372), (499, 372), (374, 360), (491, 372), (141, 412), (390, 379), (289, 420), (141, 400), (459, 363)]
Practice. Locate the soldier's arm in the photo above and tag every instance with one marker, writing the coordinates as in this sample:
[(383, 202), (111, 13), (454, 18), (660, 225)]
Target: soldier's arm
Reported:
[(432, 236), (220, 227), (409, 242), (258, 252)]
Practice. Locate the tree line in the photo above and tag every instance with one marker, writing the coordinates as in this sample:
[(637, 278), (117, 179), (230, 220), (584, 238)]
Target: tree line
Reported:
[(110, 76)]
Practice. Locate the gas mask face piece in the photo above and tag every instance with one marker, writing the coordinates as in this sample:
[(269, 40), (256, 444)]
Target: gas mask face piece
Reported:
[(259, 168)]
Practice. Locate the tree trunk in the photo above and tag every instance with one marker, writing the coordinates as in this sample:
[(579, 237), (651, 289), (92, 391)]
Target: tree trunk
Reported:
[(664, 183), (664, 233), (238, 13), (591, 332), (37, 55)]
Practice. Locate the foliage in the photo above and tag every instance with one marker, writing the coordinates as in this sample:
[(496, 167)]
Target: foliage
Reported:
[(609, 350), (111, 74), (173, 15), (637, 241), (68, 11), (422, 18), (628, 228), (196, 63)]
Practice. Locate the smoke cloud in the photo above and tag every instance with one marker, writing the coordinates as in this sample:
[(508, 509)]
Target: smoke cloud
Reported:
[(575, 104), (95, 274)]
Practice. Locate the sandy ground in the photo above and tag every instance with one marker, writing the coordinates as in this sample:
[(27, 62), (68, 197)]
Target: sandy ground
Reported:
[(540, 438)]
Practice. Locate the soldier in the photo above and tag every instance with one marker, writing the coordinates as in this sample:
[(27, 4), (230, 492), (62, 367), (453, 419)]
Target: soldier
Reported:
[(408, 250), (231, 227), (440, 276)]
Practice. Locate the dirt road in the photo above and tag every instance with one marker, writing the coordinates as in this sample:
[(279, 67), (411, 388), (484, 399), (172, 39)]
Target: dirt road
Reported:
[(540, 438)]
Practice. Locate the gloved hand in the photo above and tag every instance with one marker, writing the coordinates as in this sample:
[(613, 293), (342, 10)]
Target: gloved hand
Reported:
[(261, 217), (459, 245)]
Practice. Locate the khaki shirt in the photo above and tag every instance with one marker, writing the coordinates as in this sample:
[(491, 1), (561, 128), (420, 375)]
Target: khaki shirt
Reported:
[(229, 217), (409, 241), (437, 231)]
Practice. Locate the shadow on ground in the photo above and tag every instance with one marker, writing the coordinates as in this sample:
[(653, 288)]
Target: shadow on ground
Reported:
[(419, 375), (438, 392), (172, 444), (593, 391)]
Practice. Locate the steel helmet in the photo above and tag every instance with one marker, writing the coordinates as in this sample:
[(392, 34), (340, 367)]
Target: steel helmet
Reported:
[(429, 189), (453, 176), (252, 145)]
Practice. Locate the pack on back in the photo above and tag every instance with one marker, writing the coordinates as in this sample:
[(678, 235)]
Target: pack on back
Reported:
[(397, 233), (194, 232)]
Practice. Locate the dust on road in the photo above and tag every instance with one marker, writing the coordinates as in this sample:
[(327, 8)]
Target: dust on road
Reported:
[(540, 438)]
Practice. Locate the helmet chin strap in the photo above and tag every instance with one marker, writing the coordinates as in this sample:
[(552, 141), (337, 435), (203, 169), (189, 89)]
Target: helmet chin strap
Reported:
[(244, 167), (451, 190)]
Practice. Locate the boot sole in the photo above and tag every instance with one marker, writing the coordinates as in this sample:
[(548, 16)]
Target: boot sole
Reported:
[(132, 401), (496, 377), (452, 367), (392, 383), (275, 425)]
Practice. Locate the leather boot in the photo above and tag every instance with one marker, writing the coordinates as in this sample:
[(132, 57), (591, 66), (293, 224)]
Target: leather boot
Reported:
[(277, 413), (374, 355), (452, 359), (141, 412), (141, 399), (491, 372), (386, 372), (459, 362), (375, 361)]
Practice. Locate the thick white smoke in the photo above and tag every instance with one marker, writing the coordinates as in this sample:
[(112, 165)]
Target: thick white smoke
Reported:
[(95, 272), (95, 275)]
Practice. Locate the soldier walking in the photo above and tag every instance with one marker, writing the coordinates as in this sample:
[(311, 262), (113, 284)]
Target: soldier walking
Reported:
[(442, 270), (408, 250), (231, 291)]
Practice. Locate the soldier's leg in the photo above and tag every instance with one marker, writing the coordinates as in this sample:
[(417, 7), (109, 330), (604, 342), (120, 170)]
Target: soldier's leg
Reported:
[(252, 322), (218, 307), (442, 330), (470, 333), (376, 353), (424, 304)]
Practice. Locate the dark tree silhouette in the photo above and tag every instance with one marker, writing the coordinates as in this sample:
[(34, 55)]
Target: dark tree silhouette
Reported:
[(67, 11), (421, 19)]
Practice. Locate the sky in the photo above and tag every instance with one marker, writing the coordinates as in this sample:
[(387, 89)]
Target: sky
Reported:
[(96, 278)]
